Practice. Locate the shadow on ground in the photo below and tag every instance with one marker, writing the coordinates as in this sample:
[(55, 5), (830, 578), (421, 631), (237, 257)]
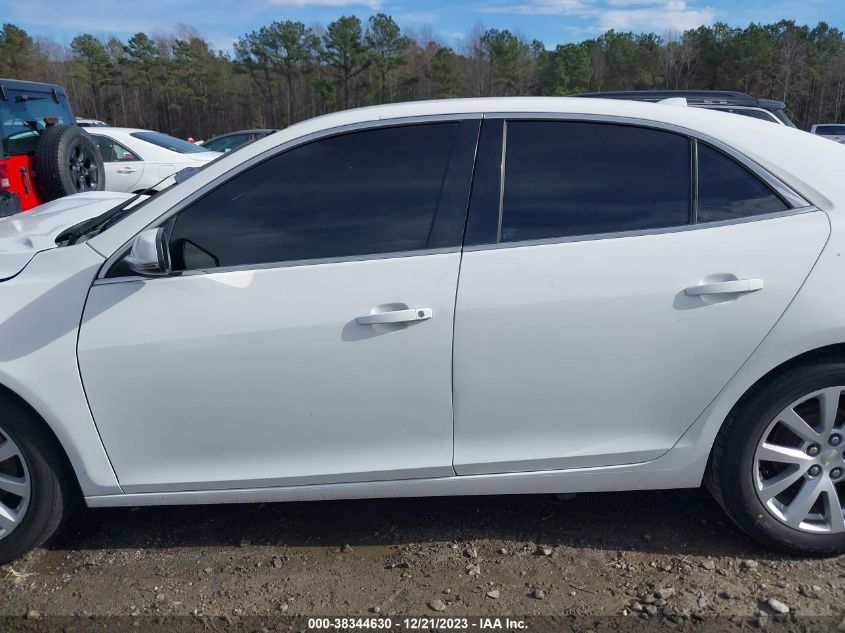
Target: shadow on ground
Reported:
[(681, 522)]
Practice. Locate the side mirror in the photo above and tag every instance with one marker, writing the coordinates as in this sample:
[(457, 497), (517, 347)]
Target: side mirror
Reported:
[(149, 255)]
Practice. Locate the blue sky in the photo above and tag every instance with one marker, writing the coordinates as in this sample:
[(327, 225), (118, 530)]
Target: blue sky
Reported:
[(449, 21)]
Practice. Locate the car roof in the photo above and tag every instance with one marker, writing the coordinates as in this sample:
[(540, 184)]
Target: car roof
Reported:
[(257, 130), (701, 119), (18, 84), (693, 97), (104, 129)]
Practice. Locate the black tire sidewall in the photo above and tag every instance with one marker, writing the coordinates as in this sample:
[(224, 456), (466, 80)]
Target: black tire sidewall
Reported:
[(49, 497), (735, 476), (53, 157)]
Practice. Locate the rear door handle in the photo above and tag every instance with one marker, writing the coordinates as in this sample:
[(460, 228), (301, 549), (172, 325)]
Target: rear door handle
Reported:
[(396, 316), (126, 170), (733, 287)]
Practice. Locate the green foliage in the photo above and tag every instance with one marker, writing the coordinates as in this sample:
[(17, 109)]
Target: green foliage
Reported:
[(345, 53), (444, 73), (284, 72), (282, 50), (388, 49), (565, 70), (18, 52), (509, 57), (97, 69)]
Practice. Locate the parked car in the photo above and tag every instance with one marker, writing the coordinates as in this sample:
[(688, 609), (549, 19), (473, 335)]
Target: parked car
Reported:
[(144, 161), (234, 140), (740, 103), (43, 154), (648, 298), (91, 122), (833, 131)]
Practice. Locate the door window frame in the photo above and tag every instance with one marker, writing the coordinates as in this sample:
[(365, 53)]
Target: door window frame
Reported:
[(449, 220), (487, 200), (137, 158)]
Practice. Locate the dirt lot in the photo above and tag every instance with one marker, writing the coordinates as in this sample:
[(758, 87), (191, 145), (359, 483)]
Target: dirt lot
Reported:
[(670, 557)]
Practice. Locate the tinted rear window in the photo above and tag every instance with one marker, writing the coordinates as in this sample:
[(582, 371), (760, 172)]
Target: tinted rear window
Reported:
[(22, 116), (572, 178), (169, 142), (727, 190), (754, 114), (831, 130)]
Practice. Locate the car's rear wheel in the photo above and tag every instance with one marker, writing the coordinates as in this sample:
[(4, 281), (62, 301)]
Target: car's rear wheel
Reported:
[(35, 491), (777, 466), (68, 162)]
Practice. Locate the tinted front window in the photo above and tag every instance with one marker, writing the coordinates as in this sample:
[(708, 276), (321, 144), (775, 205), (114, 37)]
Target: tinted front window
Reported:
[(572, 178), (727, 190), (368, 192), (169, 142)]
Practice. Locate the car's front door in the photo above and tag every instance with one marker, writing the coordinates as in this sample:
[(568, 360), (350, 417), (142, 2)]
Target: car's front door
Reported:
[(609, 290), (306, 333)]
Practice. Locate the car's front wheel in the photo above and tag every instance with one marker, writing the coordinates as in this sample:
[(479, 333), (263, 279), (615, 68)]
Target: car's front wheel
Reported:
[(35, 493), (777, 466)]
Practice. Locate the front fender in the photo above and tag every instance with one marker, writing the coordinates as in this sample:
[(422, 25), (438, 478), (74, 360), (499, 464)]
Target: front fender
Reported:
[(40, 312)]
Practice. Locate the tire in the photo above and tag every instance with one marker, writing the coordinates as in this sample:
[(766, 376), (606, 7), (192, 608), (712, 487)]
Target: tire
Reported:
[(67, 162), (52, 493), (737, 470)]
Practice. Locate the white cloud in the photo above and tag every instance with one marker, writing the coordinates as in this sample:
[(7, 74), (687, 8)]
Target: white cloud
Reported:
[(417, 17), (545, 7), (629, 3), (675, 15), (621, 15), (304, 4)]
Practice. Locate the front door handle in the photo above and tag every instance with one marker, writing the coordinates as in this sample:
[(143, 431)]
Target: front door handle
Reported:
[(396, 316), (126, 170), (733, 287)]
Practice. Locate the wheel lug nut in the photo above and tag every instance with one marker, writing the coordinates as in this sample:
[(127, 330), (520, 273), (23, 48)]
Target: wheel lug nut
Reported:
[(836, 473), (814, 470), (835, 440), (813, 449)]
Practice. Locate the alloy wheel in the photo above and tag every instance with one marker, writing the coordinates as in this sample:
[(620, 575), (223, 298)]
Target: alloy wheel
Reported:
[(15, 485), (83, 169), (799, 468)]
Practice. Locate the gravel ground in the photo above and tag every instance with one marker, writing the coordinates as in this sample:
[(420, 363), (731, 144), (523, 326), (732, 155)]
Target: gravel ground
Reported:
[(668, 557)]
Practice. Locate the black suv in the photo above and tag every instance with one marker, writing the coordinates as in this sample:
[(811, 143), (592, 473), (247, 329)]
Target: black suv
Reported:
[(734, 102)]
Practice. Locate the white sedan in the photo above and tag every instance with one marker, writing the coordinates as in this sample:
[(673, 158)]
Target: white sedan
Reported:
[(138, 161), (650, 296)]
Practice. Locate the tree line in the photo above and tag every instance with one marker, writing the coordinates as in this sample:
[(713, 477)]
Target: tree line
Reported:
[(285, 71)]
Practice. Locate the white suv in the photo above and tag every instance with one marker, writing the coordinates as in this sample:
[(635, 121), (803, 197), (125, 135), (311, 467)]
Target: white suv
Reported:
[(492, 296)]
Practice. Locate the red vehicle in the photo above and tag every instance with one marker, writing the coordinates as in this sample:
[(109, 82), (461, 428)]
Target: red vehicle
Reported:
[(43, 153)]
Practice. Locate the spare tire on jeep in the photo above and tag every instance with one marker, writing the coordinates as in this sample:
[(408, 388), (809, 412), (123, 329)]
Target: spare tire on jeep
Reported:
[(68, 162)]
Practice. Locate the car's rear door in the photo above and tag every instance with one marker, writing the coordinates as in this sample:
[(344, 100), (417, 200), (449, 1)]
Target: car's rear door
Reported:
[(306, 336), (610, 287)]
